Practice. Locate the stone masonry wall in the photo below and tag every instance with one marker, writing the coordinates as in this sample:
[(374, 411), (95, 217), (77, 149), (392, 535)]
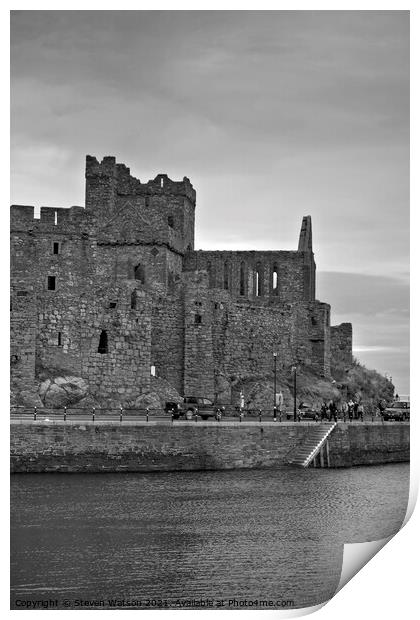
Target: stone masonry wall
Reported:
[(342, 344), (124, 271), (251, 274), (187, 446)]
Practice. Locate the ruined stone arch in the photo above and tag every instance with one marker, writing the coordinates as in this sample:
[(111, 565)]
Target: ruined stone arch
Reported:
[(226, 275), (242, 279), (259, 280), (212, 274)]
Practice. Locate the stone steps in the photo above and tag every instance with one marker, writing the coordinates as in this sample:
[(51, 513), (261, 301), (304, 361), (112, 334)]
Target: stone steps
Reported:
[(304, 454)]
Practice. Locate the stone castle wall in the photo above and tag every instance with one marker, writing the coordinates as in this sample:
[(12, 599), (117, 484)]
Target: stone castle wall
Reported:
[(108, 291), (342, 344)]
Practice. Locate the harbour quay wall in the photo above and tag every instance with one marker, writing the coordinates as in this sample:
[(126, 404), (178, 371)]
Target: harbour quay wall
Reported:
[(369, 444), (185, 446)]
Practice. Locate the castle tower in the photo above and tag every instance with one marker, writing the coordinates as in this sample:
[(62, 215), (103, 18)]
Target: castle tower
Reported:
[(305, 245), (157, 218)]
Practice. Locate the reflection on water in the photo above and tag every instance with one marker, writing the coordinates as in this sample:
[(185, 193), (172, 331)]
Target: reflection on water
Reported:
[(244, 534)]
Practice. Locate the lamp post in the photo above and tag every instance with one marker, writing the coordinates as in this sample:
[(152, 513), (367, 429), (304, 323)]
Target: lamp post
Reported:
[(294, 394), (275, 387)]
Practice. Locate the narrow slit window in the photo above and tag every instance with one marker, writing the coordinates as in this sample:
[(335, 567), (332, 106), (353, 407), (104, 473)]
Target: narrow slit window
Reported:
[(242, 280), (226, 276), (275, 280), (51, 283), (56, 247), (103, 342), (139, 273), (198, 319), (133, 300), (212, 274), (259, 280), (55, 218), (59, 340)]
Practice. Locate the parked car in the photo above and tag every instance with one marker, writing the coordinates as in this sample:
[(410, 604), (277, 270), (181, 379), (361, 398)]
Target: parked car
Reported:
[(304, 412), (398, 411), (194, 405)]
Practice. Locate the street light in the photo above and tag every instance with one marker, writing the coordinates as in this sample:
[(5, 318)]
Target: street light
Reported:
[(294, 394), (275, 387)]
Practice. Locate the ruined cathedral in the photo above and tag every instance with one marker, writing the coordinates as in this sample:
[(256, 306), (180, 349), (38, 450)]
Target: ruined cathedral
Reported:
[(115, 293)]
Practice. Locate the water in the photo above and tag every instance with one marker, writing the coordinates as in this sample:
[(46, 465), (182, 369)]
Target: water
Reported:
[(171, 539)]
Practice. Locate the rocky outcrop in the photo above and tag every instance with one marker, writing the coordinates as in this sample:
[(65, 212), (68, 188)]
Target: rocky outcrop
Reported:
[(63, 391)]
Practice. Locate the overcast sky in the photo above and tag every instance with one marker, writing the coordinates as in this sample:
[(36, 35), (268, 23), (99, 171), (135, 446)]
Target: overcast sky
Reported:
[(272, 115)]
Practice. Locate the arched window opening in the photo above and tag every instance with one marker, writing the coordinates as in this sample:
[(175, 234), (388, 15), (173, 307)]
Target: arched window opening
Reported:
[(275, 280), (211, 272), (171, 221), (170, 281), (226, 276), (259, 280), (134, 300), (103, 342), (242, 279), (139, 273)]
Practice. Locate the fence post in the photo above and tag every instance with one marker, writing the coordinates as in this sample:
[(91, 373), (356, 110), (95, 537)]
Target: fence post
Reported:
[(65, 414), (35, 414), (147, 414), (121, 413), (93, 414), (259, 414), (274, 414), (172, 417)]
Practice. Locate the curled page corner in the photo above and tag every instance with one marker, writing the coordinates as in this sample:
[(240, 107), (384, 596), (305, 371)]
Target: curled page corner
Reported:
[(357, 555)]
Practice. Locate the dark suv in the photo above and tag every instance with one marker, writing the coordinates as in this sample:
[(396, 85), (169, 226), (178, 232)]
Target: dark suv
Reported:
[(198, 405), (398, 411), (192, 406)]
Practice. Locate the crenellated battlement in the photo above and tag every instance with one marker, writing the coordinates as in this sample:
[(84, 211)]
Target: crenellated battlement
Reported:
[(125, 184), (22, 217)]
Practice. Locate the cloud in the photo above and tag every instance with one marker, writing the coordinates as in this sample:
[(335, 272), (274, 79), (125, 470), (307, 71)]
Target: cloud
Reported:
[(378, 308)]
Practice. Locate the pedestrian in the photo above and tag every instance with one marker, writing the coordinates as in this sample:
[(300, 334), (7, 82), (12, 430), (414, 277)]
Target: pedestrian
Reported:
[(345, 410), (356, 410), (350, 405), (361, 411), (381, 407), (323, 411), (333, 410)]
